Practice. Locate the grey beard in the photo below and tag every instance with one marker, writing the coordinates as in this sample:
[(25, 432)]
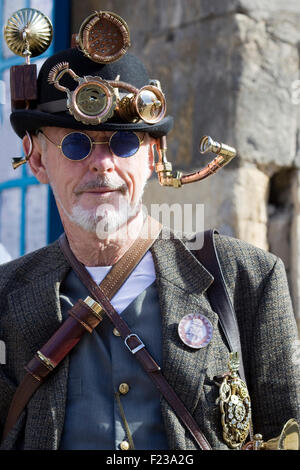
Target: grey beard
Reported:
[(105, 220)]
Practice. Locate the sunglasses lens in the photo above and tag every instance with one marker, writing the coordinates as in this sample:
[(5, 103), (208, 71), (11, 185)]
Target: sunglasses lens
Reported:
[(76, 146), (124, 144)]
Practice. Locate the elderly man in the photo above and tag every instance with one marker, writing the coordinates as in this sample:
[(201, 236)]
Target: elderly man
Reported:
[(99, 397)]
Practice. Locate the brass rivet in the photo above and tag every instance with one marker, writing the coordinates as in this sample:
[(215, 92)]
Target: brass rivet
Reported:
[(115, 332), (124, 388), (124, 445)]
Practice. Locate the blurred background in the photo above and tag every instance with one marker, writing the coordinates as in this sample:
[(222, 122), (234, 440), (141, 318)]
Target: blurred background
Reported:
[(229, 69)]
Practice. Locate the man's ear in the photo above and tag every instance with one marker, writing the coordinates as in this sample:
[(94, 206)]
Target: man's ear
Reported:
[(35, 160)]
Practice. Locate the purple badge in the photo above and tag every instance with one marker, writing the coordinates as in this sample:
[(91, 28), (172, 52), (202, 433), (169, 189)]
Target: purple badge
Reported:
[(195, 330)]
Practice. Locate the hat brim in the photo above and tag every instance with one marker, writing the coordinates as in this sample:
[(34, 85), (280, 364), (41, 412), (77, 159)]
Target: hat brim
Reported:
[(31, 120)]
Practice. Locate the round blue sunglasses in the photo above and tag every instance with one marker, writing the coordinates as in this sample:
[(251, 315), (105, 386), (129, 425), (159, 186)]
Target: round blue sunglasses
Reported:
[(77, 146)]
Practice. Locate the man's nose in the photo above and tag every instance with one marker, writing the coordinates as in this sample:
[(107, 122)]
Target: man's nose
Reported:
[(101, 159)]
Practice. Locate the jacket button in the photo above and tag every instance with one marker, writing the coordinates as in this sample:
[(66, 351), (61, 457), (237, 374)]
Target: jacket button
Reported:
[(124, 445), (123, 389), (115, 332)]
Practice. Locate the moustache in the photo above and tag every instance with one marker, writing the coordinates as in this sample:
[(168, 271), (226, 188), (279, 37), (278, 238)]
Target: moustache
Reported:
[(105, 182)]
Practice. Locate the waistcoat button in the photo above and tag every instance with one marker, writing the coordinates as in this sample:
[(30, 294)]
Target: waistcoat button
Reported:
[(123, 388), (124, 445)]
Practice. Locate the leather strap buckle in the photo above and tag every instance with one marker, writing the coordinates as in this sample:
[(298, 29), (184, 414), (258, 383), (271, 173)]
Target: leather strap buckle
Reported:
[(137, 348)]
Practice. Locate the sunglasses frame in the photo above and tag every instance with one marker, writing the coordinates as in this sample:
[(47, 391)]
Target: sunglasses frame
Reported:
[(92, 143)]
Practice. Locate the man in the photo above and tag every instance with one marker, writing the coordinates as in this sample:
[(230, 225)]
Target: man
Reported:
[(99, 397)]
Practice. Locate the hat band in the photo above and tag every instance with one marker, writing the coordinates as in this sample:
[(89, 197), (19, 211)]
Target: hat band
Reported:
[(59, 106), (53, 106)]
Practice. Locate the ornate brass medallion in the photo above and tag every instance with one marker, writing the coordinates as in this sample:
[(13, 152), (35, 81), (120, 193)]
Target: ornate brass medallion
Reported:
[(235, 406)]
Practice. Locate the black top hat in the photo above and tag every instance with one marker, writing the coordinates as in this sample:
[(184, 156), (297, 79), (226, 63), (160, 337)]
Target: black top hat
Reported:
[(51, 107)]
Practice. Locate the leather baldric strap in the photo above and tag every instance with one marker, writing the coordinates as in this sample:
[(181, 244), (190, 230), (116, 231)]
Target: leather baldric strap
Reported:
[(85, 316), (218, 295)]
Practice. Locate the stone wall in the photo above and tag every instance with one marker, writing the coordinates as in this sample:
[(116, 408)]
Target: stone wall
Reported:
[(227, 68)]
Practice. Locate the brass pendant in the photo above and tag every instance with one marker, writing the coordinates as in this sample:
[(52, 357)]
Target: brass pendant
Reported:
[(235, 406)]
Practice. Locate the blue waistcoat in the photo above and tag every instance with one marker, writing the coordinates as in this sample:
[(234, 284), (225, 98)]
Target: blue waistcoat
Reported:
[(99, 364)]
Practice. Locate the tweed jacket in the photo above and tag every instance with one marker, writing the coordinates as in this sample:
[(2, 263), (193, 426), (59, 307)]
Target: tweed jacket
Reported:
[(30, 313)]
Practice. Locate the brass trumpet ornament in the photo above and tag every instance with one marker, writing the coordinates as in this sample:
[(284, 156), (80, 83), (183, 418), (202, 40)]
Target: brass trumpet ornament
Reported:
[(163, 168), (289, 439), (28, 33), (19, 161)]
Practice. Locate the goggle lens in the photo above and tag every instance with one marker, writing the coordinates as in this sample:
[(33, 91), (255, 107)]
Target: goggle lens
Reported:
[(76, 146)]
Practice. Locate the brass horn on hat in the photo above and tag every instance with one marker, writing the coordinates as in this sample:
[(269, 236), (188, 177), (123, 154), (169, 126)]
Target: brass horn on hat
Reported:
[(19, 161), (28, 33), (288, 439), (164, 170)]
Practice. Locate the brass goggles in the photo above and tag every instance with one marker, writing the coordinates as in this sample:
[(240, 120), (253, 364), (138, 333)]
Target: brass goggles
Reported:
[(77, 146), (94, 100)]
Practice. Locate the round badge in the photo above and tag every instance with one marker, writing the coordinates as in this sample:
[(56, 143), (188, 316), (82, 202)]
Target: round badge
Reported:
[(195, 330)]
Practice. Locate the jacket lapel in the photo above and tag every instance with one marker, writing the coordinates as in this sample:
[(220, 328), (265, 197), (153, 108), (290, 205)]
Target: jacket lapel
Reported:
[(35, 310), (182, 281)]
